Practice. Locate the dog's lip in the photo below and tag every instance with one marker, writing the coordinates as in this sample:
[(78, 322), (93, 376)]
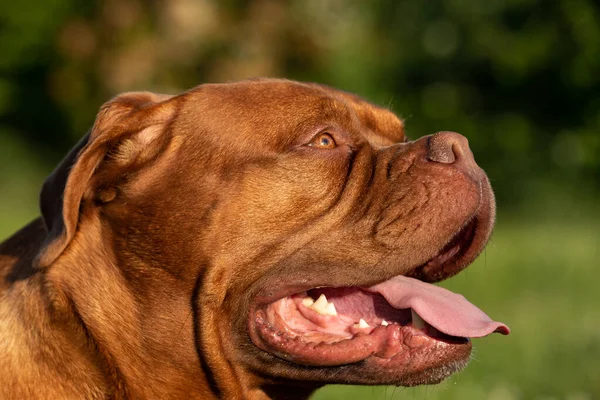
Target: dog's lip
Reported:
[(393, 345), (453, 256), (464, 245)]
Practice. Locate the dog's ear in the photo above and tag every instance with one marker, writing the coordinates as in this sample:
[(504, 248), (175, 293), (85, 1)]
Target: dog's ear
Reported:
[(129, 131)]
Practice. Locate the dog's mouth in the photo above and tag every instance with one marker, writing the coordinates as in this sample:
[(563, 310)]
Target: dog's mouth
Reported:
[(402, 324), (335, 326)]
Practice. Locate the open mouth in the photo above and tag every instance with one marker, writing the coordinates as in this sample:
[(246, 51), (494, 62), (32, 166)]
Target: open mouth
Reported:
[(403, 322), (336, 326)]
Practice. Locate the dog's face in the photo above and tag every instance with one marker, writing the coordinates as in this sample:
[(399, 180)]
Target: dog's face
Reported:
[(299, 222)]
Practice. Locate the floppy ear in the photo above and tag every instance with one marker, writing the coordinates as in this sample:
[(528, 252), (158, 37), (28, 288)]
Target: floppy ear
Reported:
[(128, 131)]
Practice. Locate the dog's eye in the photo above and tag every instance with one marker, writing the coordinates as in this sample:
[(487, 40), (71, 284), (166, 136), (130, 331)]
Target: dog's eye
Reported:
[(323, 141)]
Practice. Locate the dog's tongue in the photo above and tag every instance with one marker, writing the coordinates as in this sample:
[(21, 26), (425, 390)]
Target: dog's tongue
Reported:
[(446, 311)]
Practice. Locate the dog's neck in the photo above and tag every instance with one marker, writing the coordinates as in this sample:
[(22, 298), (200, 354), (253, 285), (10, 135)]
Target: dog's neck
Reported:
[(40, 341), (147, 352), (107, 358)]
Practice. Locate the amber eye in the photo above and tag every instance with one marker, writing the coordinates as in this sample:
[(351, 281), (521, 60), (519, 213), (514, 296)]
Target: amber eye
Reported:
[(323, 141)]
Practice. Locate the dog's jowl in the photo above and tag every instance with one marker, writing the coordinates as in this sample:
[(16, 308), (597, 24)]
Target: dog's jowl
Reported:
[(251, 240)]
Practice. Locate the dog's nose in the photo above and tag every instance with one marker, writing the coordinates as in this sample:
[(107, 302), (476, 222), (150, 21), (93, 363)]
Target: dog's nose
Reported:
[(449, 148), (452, 148)]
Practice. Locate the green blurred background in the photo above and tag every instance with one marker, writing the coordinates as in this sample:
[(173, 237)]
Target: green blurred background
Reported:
[(519, 78)]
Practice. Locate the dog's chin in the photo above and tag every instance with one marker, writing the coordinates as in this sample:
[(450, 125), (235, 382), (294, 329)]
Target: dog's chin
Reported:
[(401, 331)]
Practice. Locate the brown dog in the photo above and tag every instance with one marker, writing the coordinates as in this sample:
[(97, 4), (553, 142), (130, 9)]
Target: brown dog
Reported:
[(247, 240)]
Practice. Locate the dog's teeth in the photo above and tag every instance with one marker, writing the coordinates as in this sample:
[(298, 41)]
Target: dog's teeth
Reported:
[(307, 301), (384, 322), (323, 307), (417, 321), (363, 324), (330, 309), (320, 304)]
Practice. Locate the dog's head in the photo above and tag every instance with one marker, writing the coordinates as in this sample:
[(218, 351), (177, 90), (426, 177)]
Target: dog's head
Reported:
[(294, 224)]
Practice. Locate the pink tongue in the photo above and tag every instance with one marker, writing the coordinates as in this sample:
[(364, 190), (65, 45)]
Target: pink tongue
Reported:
[(446, 311)]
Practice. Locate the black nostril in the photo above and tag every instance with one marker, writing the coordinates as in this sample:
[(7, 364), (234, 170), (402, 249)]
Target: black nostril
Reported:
[(447, 147)]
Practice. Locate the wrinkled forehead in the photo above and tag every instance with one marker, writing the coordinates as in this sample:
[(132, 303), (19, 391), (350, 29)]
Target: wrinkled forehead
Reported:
[(275, 105), (378, 122)]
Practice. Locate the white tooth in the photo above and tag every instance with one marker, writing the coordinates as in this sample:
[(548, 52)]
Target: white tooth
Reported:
[(384, 322), (323, 307), (362, 324), (307, 301), (330, 309), (320, 303), (417, 321)]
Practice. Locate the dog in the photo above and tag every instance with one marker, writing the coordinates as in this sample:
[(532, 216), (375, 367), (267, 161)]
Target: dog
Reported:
[(248, 240)]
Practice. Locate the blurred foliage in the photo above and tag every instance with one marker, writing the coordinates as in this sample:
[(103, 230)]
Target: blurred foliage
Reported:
[(519, 78)]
